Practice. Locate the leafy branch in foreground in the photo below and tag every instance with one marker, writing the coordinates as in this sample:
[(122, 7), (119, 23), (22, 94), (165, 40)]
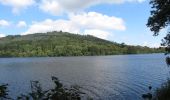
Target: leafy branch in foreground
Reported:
[(59, 92), (4, 91)]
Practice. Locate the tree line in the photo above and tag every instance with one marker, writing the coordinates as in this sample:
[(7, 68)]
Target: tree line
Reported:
[(65, 44)]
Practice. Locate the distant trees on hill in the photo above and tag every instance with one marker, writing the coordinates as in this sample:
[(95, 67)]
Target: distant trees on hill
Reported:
[(65, 44)]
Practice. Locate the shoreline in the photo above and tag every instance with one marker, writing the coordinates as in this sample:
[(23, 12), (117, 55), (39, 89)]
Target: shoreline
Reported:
[(80, 56)]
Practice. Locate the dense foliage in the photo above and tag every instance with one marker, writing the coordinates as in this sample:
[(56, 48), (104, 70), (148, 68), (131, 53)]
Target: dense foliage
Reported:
[(160, 15), (159, 19), (64, 44)]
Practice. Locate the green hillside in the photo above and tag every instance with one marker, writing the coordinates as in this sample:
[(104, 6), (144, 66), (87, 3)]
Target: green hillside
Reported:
[(64, 44)]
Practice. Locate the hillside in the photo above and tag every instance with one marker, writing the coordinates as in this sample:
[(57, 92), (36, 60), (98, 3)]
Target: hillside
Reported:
[(64, 44)]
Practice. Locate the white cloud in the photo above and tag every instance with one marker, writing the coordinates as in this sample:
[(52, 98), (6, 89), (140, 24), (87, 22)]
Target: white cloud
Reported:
[(56, 7), (156, 45), (141, 0), (2, 35), (21, 24), (17, 5), (151, 44), (4, 23), (51, 6), (145, 43), (89, 23), (51, 25), (94, 20), (98, 33)]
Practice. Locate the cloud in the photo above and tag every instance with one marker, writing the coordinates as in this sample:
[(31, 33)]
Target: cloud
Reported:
[(94, 20), (141, 0), (151, 44), (21, 24), (98, 33), (56, 7), (17, 5), (51, 25), (4, 23), (51, 6), (92, 23), (2, 35)]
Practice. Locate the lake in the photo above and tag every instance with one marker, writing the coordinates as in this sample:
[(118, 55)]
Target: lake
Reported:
[(118, 77)]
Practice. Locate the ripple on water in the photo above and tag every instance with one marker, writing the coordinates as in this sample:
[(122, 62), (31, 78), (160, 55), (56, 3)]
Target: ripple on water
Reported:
[(123, 77)]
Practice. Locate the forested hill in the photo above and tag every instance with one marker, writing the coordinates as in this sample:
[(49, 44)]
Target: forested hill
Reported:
[(64, 44)]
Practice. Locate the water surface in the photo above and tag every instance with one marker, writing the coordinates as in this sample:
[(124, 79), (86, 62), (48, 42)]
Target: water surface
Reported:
[(120, 77)]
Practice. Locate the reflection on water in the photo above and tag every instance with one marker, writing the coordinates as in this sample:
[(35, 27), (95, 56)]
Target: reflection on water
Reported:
[(123, 77)]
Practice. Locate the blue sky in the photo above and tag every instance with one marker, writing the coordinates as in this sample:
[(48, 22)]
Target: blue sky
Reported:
[(114, 20)]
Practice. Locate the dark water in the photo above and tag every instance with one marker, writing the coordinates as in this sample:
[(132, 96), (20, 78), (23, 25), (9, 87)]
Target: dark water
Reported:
[(122, 77)]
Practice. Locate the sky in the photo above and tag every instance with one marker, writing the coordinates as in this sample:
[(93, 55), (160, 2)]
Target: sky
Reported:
[(122, 21)]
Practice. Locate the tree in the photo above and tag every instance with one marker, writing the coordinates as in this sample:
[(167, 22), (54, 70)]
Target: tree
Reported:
[(160, 15), (160, 18)]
